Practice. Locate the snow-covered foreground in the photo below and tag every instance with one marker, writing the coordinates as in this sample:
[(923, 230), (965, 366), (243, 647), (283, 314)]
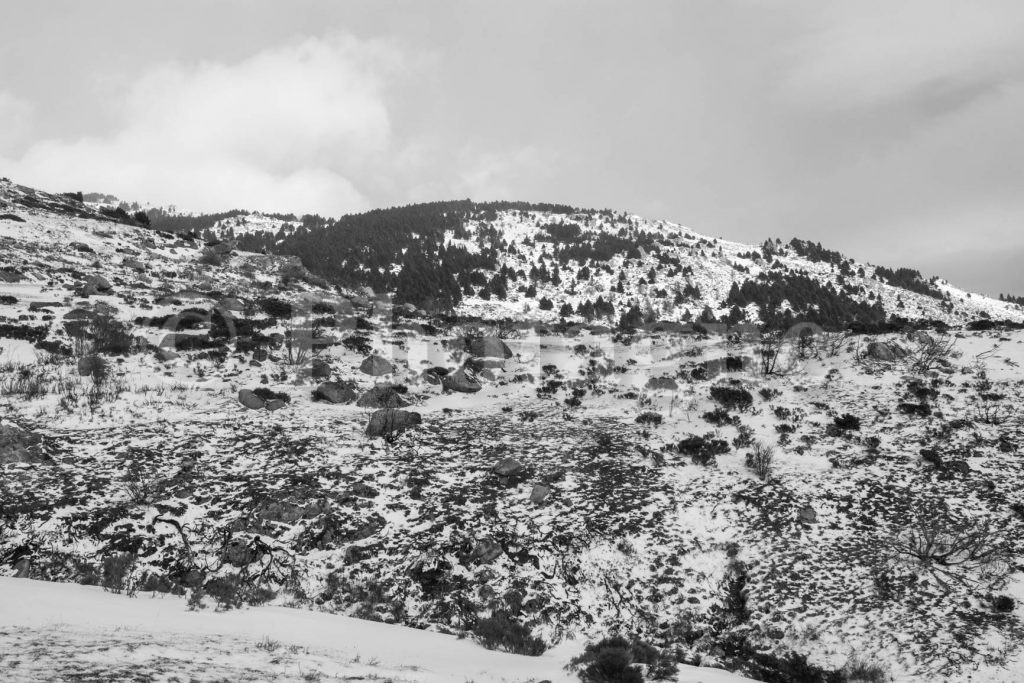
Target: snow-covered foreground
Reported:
[(52, 631)]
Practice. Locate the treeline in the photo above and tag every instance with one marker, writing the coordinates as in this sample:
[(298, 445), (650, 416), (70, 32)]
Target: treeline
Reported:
[(809, 301), (1009, 298), (908, 279)]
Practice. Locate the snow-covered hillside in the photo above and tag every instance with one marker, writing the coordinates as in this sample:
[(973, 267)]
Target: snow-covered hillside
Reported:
[(227, 428)]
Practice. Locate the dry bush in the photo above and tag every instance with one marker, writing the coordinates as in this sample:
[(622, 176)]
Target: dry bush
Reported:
[(956, 551)]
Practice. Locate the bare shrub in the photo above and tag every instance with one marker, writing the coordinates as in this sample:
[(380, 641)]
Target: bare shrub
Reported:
[(930, 352), (759, 459), (954, 550)]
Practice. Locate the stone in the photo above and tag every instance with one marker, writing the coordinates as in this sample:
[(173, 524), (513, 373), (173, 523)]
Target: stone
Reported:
[(461, 382), (92, 366), (808, 515), (42, 305), (539, 494), (486, 550), (666, 383), (383, 396), (489, 347), (375, 366), (250, 400), (389, 421), (164, 355), (275, 404), (335, 392), (320, 369), (509, 471), (19, 446)]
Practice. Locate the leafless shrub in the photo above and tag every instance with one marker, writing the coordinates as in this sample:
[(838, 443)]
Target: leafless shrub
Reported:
[(830, 344), (759, 459), (930, 352), (955, 551)]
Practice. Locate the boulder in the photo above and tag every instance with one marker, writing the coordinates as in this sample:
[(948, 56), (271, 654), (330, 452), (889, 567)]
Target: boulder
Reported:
[(808, 515), (165, 355), (539, 494), (320, 369), (134, 264), (230, 303), (335, 392), (389, 421), (460, 381), (486, 550), (885, 351), (375, 366), (92, 366), (276, 404), (383, 396), (666, 383), (41, 305), (250, 400), (100, 283), (509, 470), (19, 446), (488, 347)]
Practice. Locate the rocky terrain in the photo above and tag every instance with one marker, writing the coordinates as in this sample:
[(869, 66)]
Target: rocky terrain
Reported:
[(823, 502)]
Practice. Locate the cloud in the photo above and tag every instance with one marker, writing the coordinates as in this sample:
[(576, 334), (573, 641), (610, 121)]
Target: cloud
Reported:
[(15, 121), (874, 53), (288, 129)]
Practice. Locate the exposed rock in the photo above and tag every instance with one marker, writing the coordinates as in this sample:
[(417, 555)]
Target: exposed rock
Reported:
[(320, 369), (376, 366), (886, 352), (808, 515), (165, 355), (383, 396), (509, 470), (335, 392), (19, 446), (275, 404), (486, 550), (539, 494), (662, 383), (41, 305), (489, 347), (460, 381), (250, 400), (92, 366), (389, 421)]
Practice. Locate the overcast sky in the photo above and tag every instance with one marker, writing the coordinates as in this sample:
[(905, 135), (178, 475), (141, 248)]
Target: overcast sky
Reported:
[(892, 130)]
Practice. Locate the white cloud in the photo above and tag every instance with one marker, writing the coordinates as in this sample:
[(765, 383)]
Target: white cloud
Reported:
[(15, 121), (287, 129), (878, 51)]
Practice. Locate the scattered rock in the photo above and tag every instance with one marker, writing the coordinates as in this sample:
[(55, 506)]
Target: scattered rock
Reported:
[(662, 383), (539, 494), (486, 550), (165, 355), (383, 396), (808, 515), (335, 392), (250, 400), (376, 366), (41, 305), (461, 381), (320, 369), (509, 470), (389, 421), (92, 366), (489, 347), (886, 352), (19, 446)]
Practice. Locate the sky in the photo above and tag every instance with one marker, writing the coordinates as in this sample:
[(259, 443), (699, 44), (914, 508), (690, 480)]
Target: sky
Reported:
[(891, 131)]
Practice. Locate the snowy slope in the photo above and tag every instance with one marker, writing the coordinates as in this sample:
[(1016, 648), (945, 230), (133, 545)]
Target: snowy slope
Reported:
[(86, 632)]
